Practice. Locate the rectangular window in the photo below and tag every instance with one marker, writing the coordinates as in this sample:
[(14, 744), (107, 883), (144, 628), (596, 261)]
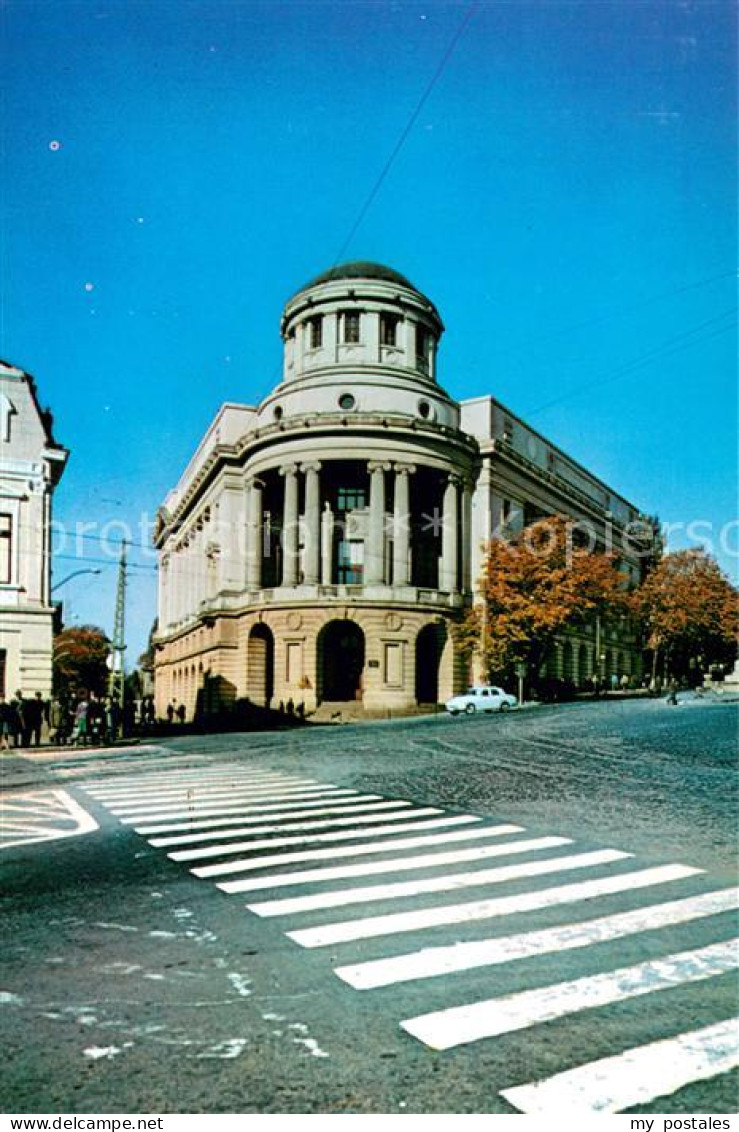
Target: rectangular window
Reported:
[(316, 333), (388, 330), (351, 563), (6, 549), (351, 499), (422, 349), (350, 321)]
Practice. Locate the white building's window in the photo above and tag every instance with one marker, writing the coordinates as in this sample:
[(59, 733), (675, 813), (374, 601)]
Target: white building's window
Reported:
[(423, 349), (350, 325), (316, 332), (6, 549), (388, 330)]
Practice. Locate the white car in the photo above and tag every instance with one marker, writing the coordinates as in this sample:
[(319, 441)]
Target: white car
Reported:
[(484, 698)]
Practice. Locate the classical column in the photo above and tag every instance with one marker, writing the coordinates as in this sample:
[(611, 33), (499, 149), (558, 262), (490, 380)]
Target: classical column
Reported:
[(466, 536), (290, 525), (408, 331), (327, 544), (312, 530), (402, 525), (164, 591), (254, 535), (374, 555), (449, 537)]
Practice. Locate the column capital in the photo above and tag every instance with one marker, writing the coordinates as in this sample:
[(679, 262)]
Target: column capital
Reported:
[(254, 482), (404, 469), (454, 479), (378, 466), (311, 466), (288, 470)]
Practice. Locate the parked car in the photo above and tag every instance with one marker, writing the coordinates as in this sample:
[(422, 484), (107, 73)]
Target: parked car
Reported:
[(484, 698)]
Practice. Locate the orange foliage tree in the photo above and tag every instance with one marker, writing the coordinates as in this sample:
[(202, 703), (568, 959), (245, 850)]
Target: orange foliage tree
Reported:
[(80, 661), (534, 586), (690, 614)]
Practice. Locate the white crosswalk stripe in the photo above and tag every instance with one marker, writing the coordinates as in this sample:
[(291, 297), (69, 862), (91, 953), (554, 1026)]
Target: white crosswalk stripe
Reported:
[(338, 835), (255, 829), (460, 1025), (361, 816), (372, 926), (435, 961), (395, 865), (276, 812), (452, 881), (321, 797), (636, 1076), (476, 834)]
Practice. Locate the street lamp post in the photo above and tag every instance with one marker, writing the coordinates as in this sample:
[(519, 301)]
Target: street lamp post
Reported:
[(75, 574)]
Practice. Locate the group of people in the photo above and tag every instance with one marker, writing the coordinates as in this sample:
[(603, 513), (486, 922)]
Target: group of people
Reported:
[(88, 719), (22, 720)]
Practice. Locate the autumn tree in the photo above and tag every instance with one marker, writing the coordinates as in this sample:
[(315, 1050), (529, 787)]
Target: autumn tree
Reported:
[(534, 586), (80, 661), (690, 615)]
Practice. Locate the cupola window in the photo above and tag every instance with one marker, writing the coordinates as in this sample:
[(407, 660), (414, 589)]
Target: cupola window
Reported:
[(389, 329), (346, 401), (350, 327), (315, 332), (423, 349)]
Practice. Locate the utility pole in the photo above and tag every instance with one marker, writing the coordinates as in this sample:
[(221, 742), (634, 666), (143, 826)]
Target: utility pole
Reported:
[(118, 644)]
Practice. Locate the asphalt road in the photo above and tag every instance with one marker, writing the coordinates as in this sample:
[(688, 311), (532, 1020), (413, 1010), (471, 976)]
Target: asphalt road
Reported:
[(519, 908)]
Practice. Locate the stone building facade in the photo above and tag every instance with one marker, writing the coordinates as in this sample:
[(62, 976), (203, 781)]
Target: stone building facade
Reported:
[(31, 464), (319, 546)]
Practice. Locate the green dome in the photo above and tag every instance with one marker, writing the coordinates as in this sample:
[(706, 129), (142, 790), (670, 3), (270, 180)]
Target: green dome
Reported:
[(360, 269)]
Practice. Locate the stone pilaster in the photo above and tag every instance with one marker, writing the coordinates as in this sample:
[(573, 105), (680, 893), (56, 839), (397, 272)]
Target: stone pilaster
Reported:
[(327, 544), (374, 553), (254, 534), (466, 536), (450, 536), (402, 525), (312, 528), (290, 525)]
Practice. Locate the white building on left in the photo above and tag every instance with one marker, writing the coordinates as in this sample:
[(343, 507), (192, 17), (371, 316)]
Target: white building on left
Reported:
[(31, 465)]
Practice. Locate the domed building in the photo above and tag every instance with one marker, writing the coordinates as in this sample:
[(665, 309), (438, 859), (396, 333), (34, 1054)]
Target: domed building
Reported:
[(319, 547)]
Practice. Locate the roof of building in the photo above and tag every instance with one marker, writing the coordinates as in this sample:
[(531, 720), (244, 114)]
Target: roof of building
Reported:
[(360, 269)]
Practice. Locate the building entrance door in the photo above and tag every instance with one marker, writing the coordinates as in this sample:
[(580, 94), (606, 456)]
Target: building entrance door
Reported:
[(341, 661)]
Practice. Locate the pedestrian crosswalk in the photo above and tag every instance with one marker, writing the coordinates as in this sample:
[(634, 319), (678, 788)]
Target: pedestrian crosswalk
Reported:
[(379, 885)]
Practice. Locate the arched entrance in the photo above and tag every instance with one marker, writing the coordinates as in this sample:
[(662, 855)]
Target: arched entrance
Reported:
[(429, 647), (260, 665), (340, 661)]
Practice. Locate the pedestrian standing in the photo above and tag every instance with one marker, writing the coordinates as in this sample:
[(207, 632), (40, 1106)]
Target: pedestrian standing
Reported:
[(170, 712), (25, 728), (16, 719), (34, 712), (6, 723), (80, 722), (114, 718), (56, 721), (181, 712)]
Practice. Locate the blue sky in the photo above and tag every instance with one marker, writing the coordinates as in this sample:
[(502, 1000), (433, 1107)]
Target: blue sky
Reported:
[(566, 197)]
